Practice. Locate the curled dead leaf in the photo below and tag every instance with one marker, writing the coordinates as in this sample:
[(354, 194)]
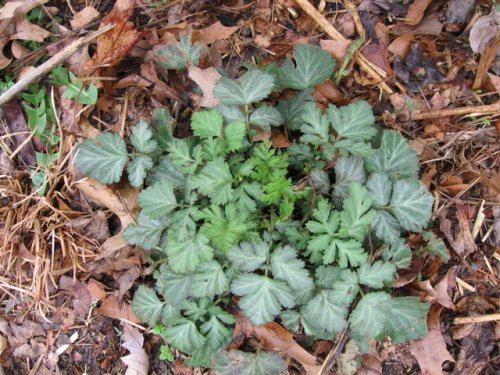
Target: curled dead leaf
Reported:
[(430, 350), (214, 32), (137, 360), (206, 79), (275, 337), (84, 17)]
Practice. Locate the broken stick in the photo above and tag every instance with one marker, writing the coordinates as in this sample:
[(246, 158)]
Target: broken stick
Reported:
[(480, 110), (51, 63)]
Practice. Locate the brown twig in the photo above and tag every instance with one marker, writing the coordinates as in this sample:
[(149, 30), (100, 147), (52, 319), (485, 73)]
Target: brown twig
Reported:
[(50, 64), (375, 72), (477, 319), (482, 109), (334, 353)]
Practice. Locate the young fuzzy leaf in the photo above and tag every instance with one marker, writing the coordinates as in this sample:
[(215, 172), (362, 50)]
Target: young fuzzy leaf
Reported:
[(183, 334), (180, 154), (201, 357), (285, 266), (234, 134), (183, 223), (354, 121), (348, 170), (138, 168), (146, 233), (326, 276), (103, 158), (251, 87), (231, 113), (166, 170), (174, 287), (376, 275), (158, 200), (394, 157), (357, 214), (209, 280), (346, 252), (406, 319), (246, 196), (214, 181), (378, 315), (324, 229), (184, 256), (146, 305), (236, 362), (267, 162), (411, 204), (142, 138), (206, 124), (266, 116), (216, 333), (346, 288), (313, 66), (398, 254), (292, 109), (368, 318), (249, 256), (380, 187), (315, 125), (228, 227), (320, 181), (261, 297), (325, 313), (386, 227)]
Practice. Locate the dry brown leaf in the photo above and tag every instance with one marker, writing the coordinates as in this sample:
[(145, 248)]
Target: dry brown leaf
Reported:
[(105, 197), (138, 360), (18, 50), (134, 80), (459, 236), (161, 90), (328, 90), (216, 31), (111, 308), (430, 350), (483, 30), (3, 344), (401, 45), (276, 338), (280, 140), (416, 11), (114, 45), (336, 48), (84, 17), (126, 280), (80, 293), (370, 362), (495, 82), (439, 293), (96, 290), (206, 79), (29, 31), (94, 226), (430, 24), (10, 9)]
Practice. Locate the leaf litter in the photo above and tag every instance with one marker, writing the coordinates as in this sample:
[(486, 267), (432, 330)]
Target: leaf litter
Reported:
[(458, 149)]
